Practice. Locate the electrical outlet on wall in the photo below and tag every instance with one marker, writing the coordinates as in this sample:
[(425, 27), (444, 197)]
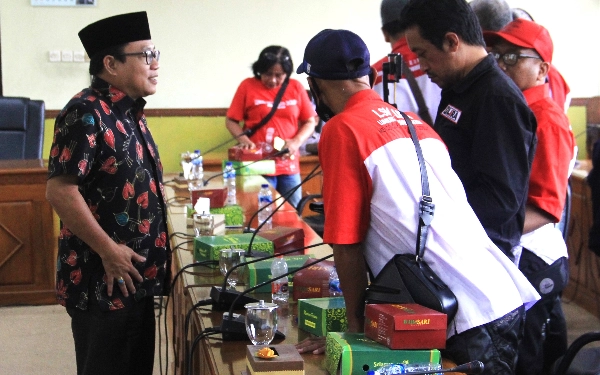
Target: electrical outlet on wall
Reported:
[(78, 56), (54, 55), (67, 55)]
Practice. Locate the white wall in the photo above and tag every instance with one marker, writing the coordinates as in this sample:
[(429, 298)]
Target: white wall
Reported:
[(207, 46)]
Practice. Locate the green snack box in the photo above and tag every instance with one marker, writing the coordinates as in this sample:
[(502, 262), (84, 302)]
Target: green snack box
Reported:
[(260, 272), (234, 214), (247, 168), (353, 353), (207, 247), (321, 315)]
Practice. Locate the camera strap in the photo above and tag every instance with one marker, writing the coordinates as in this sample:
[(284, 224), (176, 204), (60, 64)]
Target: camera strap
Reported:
[(251, 131)]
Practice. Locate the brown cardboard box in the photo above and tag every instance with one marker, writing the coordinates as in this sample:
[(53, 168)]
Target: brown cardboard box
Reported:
[(313, 281), (243, 154), (217, 196), (406, 326), (285, 239), (288, 360)]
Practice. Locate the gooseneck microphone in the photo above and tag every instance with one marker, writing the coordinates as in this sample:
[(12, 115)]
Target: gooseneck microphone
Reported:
[(285, 198), (277, 154), (223, 299), (235, 329), (247, 132)]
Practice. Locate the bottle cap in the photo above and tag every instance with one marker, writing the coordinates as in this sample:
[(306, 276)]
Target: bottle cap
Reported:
[(264, 186)]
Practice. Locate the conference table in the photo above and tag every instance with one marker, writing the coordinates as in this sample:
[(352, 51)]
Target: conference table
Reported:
[(213, 355)]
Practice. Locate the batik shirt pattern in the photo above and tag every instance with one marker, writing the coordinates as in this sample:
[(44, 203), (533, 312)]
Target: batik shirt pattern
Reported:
[(101, 136)]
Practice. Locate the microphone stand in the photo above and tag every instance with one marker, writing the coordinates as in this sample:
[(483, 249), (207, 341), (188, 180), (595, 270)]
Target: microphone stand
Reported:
[(224, 298), (247, 132), (235, 329), (393, 66), (279, 153), (249, 252), (310, 175)]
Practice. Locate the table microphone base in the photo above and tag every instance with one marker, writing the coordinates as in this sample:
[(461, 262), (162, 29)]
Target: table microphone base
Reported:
[(222, 300)]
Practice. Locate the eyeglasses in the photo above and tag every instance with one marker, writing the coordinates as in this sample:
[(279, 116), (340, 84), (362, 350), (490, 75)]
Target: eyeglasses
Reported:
[(150, 55), (511, 59), (274, 56)]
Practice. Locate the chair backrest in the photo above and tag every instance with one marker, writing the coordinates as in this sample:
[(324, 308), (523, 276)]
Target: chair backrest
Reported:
[(21, 128), (586, 363)]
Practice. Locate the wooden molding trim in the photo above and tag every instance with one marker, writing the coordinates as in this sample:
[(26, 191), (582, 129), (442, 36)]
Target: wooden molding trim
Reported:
[(220, 112), (167, 112), (579, 102)]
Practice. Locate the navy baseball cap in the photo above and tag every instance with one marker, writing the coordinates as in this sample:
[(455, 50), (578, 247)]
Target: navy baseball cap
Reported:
[(336, 55)]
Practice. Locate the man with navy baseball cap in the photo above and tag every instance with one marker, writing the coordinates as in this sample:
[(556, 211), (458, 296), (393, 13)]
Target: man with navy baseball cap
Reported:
[(371, 193)]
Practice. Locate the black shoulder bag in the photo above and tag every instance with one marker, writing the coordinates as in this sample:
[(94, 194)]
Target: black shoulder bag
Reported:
[(406, 278)]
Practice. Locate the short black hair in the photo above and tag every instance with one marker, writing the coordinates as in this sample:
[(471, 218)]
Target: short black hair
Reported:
[(97, 63), (270, 56), (393, 28), (435, 18), (493, 15)]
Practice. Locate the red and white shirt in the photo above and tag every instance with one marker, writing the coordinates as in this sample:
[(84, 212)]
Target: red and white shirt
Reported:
[(371, 190)]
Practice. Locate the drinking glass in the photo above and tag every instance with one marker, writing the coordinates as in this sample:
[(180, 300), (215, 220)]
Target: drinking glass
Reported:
[(227, 260), (261, 322)]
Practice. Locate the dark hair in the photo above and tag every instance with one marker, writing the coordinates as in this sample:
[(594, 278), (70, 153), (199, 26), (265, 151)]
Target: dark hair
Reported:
[(493, 15), (270, 56), (435, 18), (97, 63), (393, 27)]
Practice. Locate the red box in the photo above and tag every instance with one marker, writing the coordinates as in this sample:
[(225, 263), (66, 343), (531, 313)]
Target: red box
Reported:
[(243, 154), (407, 326), (285, 239), (218, 196), (313, 281)]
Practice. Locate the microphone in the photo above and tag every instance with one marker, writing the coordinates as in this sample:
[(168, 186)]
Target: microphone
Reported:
[(473, 367), (247, 132), (310, 175), (235, 328), (224, 299), (279, 153), (259, 227)]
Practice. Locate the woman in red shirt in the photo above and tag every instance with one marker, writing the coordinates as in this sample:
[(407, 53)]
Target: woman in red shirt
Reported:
[(293, 121)]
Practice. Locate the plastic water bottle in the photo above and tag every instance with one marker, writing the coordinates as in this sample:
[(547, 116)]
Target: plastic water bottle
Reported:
[(279, 288), (334, 284), (229, 180), (265, 197), (399, 368), (197, 166)]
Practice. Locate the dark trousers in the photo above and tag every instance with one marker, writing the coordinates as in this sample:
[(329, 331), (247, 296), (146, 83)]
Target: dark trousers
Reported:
[(119, 342), (495, 344), (545, 336)]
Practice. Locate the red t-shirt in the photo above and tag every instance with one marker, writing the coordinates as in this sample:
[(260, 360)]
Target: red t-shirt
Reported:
[(553, 154), (253, 101)]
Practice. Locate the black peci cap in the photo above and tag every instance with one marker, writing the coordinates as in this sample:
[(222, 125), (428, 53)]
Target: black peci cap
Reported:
[(114, 31)]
